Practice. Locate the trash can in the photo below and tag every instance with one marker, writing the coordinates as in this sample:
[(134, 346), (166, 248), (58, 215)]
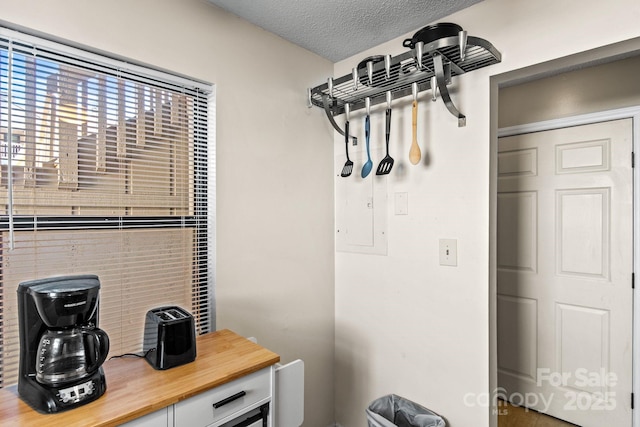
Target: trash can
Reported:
[(395, 411)]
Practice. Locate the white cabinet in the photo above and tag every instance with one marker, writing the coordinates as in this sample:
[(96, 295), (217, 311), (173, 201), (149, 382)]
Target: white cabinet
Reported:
[(275, 393), (223, 406), (227, 402)]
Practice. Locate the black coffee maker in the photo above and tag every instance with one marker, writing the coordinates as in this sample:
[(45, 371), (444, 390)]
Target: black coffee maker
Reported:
[(61, 347)]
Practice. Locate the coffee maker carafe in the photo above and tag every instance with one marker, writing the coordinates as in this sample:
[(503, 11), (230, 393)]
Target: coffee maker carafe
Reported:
[(61, 347)]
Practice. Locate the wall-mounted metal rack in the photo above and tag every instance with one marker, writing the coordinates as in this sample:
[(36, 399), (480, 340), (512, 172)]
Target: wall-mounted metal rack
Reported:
[(430, 65)]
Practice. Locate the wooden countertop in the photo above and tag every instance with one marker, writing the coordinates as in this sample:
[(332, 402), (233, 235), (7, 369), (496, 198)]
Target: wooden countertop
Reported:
[(135, 389)]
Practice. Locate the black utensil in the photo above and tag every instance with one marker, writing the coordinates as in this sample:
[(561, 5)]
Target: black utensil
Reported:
[(387, 162), (366, 168), (348, 166)]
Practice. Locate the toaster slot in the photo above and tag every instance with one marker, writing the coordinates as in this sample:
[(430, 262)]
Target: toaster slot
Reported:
[(176, 314), (164, 316), (170, 314)]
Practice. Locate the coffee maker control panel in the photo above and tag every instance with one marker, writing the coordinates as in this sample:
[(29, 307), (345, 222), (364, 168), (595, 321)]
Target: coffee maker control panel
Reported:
[(76, 393)]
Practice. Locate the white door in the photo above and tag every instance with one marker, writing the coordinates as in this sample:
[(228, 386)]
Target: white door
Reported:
[(565, 247)]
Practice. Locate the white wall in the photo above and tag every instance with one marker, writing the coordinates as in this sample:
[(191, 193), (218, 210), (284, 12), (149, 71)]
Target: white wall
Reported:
[(274, 158), (405, 324), (586, 90)]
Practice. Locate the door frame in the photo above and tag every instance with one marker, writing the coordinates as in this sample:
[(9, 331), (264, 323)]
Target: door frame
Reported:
[(599, 55)]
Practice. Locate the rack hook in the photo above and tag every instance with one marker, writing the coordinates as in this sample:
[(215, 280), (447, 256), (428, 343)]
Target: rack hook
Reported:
[(419, 52), (370, 72), (462, 41), (387, 66), (434, 89), (354, 76)]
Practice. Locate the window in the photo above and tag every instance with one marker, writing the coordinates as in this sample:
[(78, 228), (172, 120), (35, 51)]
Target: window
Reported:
[(105, 169)]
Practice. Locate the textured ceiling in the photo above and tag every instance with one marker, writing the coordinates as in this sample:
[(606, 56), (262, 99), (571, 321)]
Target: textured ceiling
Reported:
[(338, 29)]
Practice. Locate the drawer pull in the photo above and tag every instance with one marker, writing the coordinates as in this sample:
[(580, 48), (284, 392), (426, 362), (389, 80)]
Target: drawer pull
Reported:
[(229, 399)]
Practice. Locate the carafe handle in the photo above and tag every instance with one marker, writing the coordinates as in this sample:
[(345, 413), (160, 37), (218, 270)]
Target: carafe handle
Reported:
[(96, 344)]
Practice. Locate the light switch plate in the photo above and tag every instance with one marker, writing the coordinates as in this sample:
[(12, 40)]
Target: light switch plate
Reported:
[(449, 252), (402, 203)]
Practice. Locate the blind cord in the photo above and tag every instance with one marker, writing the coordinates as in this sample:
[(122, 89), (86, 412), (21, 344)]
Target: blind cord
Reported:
[(10, 147)]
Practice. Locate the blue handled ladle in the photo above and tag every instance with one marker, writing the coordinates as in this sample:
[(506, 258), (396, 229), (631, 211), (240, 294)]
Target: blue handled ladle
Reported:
[(366, 168)]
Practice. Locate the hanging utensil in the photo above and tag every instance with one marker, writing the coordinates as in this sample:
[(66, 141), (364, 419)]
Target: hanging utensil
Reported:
[(348, 166), (414, 151), (366, 168), (384, 167)]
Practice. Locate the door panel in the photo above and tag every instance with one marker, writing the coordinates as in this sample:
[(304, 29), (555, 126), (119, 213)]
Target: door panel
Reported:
[(519, 216), (519, 333), (578, 352), (565, 250), (582, 219)]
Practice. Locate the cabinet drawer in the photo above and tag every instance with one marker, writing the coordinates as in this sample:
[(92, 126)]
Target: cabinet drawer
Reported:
[(228, 399)]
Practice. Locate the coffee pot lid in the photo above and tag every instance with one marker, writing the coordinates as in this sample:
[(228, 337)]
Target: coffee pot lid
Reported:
[(61, 286)]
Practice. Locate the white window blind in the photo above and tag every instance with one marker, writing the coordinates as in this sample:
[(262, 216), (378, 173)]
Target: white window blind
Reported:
[(103, 171)]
